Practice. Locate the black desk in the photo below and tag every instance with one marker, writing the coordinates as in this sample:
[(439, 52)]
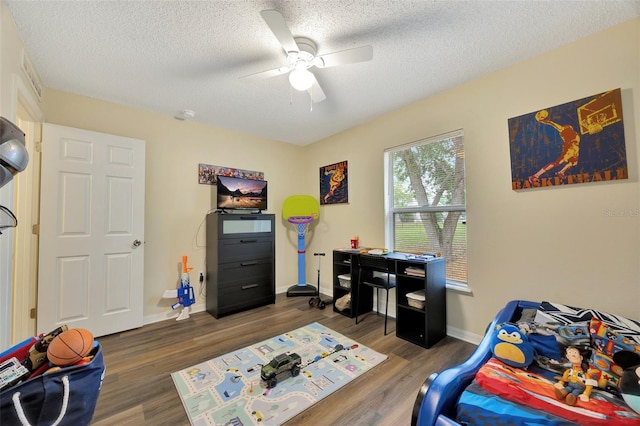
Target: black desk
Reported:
[(422, 326)]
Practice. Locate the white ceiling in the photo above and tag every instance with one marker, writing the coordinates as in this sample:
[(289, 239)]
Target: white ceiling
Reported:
[(167, 56)]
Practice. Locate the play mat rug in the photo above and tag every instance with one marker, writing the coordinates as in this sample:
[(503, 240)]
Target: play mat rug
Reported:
[(227, 390)]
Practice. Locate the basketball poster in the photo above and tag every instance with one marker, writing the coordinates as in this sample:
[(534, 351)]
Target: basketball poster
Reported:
[(334, 187), (577, 142)]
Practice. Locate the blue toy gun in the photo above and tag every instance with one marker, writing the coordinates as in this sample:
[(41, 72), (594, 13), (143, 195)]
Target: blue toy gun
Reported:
[(186, 297), (185, 294)]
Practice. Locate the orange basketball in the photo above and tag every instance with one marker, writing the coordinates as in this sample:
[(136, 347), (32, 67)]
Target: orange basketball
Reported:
[(70, 346), (542, 115)]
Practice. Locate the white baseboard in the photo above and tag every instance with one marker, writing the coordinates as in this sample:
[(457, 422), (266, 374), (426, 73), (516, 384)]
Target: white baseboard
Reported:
[(150, 319), (464, 335), (200, 307)]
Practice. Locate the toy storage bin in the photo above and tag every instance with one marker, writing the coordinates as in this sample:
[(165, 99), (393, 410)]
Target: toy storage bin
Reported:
[(345, 280), (65, 397), (416, 299)]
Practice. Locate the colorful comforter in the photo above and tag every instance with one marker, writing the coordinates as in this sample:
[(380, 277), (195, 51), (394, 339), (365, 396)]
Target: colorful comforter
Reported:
[(526, 398)]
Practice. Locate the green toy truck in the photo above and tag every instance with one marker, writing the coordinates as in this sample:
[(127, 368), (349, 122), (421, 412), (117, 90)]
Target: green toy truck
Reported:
[(280, 367)]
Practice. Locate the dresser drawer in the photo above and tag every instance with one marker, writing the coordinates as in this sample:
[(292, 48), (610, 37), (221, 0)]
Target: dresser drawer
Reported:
[(237, 249), (245, 294), (240, 226), (236, 274)]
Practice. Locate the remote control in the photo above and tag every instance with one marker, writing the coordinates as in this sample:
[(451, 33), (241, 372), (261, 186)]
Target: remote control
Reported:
[(12, 372)]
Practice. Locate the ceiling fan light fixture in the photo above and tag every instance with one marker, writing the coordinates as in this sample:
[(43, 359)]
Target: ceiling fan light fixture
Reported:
[(301, 79)]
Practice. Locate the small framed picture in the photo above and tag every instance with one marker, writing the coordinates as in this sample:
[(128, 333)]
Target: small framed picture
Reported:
[(334, 183), (208, 174)]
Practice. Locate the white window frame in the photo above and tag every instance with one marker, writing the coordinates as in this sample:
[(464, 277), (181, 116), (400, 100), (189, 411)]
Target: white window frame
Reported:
[(390, 211)]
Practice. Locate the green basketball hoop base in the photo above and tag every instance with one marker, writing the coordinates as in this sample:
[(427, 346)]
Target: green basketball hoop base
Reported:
[(301, 290)]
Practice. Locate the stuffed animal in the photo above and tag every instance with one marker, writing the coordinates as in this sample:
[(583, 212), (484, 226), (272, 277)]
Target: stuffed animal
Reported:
[(575, 382), (630, 380), (512, 346)]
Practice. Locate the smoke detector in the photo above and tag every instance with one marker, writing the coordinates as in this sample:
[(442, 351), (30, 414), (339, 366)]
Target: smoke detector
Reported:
[(185, 114)]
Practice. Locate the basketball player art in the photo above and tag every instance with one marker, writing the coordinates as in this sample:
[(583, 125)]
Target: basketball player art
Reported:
[(333, 184), (577, 142), (570, 148)]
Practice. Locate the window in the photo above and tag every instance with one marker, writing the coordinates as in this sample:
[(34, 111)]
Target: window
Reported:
[(425, 201)]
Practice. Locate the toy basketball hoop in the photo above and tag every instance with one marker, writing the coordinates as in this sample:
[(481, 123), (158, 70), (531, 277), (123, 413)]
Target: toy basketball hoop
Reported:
[(301, 219), (301, 223), (300, 211)]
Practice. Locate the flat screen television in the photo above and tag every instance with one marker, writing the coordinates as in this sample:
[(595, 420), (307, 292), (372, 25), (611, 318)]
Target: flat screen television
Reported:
[(240, 193)]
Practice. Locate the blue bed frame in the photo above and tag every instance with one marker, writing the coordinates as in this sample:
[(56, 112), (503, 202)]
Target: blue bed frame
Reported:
[(436, 400)]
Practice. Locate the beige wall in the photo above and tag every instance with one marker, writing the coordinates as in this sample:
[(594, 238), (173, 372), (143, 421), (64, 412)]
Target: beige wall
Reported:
[(176, 205), (555, 244), (559, 244)]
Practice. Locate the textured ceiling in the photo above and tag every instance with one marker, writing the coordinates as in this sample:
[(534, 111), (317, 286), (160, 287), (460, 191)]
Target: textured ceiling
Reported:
[(167, 56)]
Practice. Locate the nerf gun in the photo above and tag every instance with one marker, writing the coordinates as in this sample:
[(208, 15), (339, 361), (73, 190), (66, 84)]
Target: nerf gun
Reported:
[(185, 294)]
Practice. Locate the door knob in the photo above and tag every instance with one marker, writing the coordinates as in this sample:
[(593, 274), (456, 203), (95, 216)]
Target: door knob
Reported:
[(137, 243)]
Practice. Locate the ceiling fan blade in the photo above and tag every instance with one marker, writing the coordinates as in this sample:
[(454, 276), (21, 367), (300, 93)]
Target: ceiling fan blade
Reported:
[(316, 92), (266, 74), (279, 28), (344, 57)]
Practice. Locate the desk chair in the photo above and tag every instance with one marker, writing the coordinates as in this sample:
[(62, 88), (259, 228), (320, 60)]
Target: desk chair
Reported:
[(372, 263)]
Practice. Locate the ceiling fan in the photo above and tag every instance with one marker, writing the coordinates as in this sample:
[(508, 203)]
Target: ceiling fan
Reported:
[(301, 55)]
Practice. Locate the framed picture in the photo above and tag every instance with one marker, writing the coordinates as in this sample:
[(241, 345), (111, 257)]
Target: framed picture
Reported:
[(334, 183), (207, 174), (576, 142)]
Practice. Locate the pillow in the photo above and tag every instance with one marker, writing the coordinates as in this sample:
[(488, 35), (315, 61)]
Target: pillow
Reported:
[(606, 342), (557, 313), (549, 312), (550, 341), (558, 316), (511, 346), (573, 335)]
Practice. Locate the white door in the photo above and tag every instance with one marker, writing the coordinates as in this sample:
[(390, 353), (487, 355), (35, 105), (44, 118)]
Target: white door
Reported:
[(91, 231)]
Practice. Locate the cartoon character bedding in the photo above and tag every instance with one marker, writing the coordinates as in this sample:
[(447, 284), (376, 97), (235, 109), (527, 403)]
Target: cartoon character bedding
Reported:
[(516, 388)]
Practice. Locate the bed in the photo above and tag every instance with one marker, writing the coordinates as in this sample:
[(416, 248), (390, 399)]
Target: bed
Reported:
[(484, 390)]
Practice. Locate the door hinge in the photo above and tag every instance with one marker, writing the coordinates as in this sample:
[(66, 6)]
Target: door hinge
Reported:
[(33, 313), (38, 146), (35, 229)]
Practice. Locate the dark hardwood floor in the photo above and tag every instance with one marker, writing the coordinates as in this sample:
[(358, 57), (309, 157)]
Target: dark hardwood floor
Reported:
[(138, 389)]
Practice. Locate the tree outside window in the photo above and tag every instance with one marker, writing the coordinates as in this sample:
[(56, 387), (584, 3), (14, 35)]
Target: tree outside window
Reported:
[(425, 200)]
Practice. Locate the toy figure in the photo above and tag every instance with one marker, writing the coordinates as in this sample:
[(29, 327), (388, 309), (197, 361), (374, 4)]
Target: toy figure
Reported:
[(574, 383), (511, 345)]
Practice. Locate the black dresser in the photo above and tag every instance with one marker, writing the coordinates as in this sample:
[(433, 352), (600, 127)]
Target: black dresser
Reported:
[(240, 262)]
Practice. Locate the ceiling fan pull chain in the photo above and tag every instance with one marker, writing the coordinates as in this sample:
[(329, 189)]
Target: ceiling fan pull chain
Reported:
[(310, 104)]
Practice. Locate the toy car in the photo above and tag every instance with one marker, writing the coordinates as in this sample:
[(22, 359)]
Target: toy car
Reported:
[(282, 366)]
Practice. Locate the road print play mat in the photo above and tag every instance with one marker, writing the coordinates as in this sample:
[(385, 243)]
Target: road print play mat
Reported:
[(227, 390)]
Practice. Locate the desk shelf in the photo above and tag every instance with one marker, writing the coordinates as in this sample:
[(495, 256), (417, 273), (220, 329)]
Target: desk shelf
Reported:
[(424, 327), (346, 263)]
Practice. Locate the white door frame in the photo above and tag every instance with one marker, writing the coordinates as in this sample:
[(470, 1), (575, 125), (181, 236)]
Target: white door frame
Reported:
[(25, 272), (10, 330)]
